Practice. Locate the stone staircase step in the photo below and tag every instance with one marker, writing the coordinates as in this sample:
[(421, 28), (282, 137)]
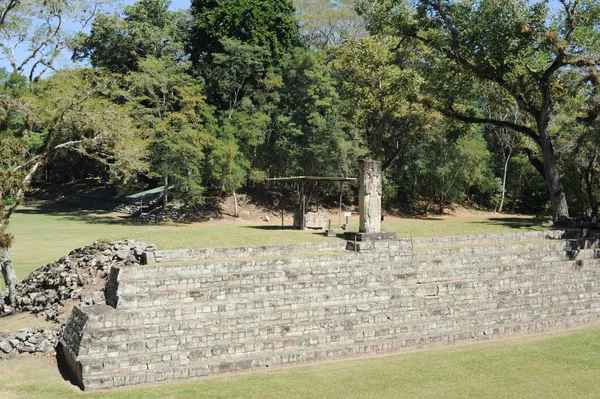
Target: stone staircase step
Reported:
[(299, 347), (176, 281), (188, 293), (340, 318), (449, 255)]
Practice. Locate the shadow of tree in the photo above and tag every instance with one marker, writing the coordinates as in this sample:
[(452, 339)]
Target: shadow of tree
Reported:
[(515, 222), (73, 212), (208, 211)]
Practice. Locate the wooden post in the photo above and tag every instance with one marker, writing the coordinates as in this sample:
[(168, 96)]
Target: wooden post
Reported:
[(281, 206), (317, 196), (303, 212), (340, 208)]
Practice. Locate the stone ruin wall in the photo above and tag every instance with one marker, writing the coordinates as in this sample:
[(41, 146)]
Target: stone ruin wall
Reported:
[(202, 317)]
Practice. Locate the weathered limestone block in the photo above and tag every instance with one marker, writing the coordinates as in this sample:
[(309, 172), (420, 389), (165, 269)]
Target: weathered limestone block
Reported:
[(316, 220), (313, 220), (369, 197)]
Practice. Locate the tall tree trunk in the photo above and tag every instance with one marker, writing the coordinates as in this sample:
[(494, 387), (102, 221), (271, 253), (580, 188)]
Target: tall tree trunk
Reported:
[(504, 181), (589, 176), (235, 205), (8, 272), (560, 209), (589, 189), (414, 195)]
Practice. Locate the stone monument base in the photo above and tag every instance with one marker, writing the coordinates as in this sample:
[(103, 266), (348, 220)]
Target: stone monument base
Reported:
[(330, 233), (312, 220), (381, 236)]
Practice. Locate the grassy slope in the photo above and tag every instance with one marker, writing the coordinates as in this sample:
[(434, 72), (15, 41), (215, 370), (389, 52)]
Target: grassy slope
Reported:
[(45, 233), (558, 365)]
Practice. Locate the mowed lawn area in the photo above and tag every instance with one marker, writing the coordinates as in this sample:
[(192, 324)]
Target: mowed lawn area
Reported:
[(46, 231), (557, 365)]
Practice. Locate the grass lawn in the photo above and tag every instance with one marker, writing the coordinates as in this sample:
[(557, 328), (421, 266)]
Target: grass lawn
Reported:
[(45, 232), (557, 365)]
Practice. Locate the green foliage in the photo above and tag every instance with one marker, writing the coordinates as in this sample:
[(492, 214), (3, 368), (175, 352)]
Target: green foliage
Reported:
[(235, 73), (264, 23), (55, 117), (379, 88), (171, 108), (459, 100), (308, 135), (522, 49), (71, 107), (437, 170), (147, 29), (325, 23), (228, 166)]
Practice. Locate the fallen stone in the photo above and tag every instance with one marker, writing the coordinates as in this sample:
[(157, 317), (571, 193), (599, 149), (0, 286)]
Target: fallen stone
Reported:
[(6, 346), (45, 346), (122, 254)]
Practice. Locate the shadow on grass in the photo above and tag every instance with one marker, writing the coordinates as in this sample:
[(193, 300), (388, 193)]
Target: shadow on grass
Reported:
[(272, 228), (426, 218), (514, 223), (208, 211), (72, 212)]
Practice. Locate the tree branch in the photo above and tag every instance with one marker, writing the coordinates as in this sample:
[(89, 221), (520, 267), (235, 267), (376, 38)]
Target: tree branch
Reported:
[(451, 113), (20, 194), (10, 6)]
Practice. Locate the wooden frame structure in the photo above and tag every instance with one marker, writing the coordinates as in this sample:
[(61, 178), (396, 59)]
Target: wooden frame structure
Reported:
[(301, 180)]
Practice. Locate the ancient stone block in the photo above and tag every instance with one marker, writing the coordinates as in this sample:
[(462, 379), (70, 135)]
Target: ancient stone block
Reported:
[(369, 196)]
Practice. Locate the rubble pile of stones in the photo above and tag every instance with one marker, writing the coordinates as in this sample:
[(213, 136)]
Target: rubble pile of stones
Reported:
[(47, 288), (29, 341)]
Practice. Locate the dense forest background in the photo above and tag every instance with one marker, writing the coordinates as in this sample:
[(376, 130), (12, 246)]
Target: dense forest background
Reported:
[(488, 103)]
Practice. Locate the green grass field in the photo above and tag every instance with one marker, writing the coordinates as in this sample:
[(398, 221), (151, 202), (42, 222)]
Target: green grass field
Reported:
[(557, 365), (47, 231)]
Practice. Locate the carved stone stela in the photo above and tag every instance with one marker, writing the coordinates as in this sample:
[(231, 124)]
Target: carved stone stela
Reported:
[(369, 197)]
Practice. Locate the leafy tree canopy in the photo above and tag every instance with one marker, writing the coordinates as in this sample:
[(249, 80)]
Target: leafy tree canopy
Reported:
[(265, 23), (147, 29)]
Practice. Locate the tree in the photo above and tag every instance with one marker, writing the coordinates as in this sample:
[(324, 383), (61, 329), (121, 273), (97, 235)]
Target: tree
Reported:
[(177, 151), (66, 112), (307, 133), (33, 33), (378, 86), (147, 29), (228, 165), (506, 143), (325, 23), (518, 47), (171, 107), (270, 24), (235, 73)]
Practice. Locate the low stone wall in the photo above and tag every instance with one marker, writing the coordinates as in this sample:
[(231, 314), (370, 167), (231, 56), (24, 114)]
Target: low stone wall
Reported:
[(177, 255), (199, 318)]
